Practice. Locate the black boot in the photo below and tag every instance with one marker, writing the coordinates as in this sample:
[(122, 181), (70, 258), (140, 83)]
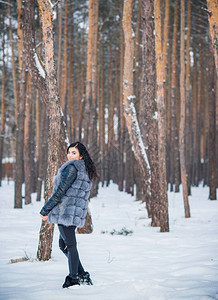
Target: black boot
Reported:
[(85, 278), (70, 282)]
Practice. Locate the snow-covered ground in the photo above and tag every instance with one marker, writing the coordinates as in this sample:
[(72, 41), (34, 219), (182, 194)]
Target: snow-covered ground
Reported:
[(147, 265)]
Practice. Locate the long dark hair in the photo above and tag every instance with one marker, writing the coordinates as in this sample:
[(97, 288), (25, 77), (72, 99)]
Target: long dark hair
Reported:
[(90, 166)]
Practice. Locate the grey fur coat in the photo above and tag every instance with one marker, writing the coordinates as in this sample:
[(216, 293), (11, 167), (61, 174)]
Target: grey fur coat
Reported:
[(73, 204)]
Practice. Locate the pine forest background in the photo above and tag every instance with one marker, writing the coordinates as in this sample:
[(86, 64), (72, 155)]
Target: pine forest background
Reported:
[(127, 73)]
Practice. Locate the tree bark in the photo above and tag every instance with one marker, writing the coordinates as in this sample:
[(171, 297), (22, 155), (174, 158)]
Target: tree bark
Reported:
[(2, 132), (15, 90), (27, 151), (174, 131), (139, 149), (212, 126), (148, 115), (188, 101), (65, 62), (182, 113), (164, 220), (213, 21)]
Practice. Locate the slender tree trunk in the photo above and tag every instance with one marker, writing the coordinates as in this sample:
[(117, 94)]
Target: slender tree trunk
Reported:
[(101, 116), (20, 138), (194, 115), (188, 101), (65, 62), (71, 98), (43, 150), (137, 65), (182, 113), (213, 21), (212, 126), (164, 221), (27, 132), (199, 103), (15, 90), (2, 133), (59, 46), (121, 109), (174, 133), (19, 108), (88, 103)]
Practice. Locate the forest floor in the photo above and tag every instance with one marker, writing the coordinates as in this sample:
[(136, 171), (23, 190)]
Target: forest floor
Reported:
[(144, 265)]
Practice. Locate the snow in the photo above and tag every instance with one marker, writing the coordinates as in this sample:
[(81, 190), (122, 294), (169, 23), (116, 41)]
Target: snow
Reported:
[(147, 265), (39, 66), (138, 132)]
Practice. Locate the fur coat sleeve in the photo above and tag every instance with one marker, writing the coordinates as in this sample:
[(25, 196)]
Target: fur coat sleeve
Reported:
[(68, 176)]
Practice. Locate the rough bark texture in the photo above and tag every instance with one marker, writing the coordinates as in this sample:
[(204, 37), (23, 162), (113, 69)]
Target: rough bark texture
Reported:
[(65, 62), (212, 127), (27, 150), (174, 131), (35, 67), (13, 59), (2, 132), (164, 221), (182, 113), (148, 109), (20, 137), (140, 150), (188, 101), (213, 21)]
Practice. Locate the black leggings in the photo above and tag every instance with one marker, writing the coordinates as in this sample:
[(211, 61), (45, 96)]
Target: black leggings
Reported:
[(67, 244)]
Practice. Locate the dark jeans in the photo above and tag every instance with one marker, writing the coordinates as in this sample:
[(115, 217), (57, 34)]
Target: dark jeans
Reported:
[(67, 244)]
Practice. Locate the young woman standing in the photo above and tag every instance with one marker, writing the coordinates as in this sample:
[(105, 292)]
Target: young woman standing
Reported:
[(68, 206)]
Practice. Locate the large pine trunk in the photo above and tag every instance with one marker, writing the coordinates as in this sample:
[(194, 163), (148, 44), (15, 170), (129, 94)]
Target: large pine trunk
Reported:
[(164, 220), (130, 115), (57, 141), (148, 108)]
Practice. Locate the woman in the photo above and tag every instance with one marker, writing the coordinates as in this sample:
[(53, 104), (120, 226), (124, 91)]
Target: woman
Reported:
[(68, 205)]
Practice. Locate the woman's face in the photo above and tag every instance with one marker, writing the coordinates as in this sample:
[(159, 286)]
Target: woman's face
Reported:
[(73, 153)]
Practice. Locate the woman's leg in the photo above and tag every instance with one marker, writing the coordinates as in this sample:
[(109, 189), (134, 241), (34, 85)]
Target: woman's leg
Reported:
[(62, 245), (69, 238)]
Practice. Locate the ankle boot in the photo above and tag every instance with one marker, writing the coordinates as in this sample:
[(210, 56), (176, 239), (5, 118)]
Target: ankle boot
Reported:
[(85, 278), (70, 282)]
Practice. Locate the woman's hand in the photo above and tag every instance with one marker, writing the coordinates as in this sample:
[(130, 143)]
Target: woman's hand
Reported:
[(44, 218)]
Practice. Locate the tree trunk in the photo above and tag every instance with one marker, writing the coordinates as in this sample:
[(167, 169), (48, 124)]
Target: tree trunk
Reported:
[(174, 133), (182, 113), (42, 162), (2, 132), (212, 126), (59, 46), (63, 84), (27, 132), (139, 149), (57, 142), (12, 53), (188, 101), (164, 221), (148, 115), (121, 112), (213, 21)]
